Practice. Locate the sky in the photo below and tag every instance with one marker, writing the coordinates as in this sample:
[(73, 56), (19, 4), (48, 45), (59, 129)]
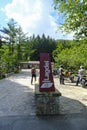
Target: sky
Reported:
[(34, 16)]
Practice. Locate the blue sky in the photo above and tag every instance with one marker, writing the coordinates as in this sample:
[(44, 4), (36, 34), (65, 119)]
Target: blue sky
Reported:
[(34, 16), (3, 3)]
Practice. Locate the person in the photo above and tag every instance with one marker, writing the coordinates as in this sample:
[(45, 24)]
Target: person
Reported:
[(70, 75), (61, 75), (33, 74), (81, 74)]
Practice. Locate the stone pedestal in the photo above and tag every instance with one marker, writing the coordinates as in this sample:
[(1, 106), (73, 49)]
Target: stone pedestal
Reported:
[(47, 103)]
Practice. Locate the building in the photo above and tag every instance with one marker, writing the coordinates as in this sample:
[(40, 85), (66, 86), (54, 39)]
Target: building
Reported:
[(29, 64)]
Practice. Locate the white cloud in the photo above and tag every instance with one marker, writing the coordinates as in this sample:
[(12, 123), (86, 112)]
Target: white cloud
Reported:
[(34, 16)]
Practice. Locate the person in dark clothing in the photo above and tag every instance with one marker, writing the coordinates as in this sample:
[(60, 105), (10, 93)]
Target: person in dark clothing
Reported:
[(33, 74), (61, 75)]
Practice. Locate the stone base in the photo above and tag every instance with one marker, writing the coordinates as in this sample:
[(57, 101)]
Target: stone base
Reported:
[(47, 103)]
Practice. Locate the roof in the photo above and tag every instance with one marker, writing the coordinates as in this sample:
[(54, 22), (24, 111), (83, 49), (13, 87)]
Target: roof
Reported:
[(32, 62)]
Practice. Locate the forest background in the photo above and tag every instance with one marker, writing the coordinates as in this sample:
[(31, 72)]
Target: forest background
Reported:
[(16, 46)]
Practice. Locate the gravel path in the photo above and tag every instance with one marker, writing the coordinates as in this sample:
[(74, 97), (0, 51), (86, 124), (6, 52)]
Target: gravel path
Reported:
[(17, 96)]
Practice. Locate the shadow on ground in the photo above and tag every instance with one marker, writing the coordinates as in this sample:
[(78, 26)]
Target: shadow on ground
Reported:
[(70, 106)]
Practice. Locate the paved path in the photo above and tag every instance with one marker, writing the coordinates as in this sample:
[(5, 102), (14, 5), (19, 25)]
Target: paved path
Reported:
[(73, 99), (17, 106), (17, 96)]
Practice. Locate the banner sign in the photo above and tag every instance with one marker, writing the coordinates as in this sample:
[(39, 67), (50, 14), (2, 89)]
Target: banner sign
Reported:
[(46, 77)]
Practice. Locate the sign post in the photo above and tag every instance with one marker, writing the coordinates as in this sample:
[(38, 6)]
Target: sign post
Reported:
[(46, 77)]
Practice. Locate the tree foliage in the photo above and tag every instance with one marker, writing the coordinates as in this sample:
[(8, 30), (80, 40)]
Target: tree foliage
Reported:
[(75, 16), (71, 57), (16, 46)]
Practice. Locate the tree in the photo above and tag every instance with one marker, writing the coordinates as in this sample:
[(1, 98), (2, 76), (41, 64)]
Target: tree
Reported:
[(71, 56), (21, 39), (7, 61), (10, 34), (42, 45), (74, 13)]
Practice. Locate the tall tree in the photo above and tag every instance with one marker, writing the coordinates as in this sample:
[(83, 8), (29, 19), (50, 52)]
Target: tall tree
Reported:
[(21, 38), (10, 34)]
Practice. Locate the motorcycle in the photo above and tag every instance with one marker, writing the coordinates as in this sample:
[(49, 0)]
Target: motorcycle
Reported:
[(84, 82), (71, 78)]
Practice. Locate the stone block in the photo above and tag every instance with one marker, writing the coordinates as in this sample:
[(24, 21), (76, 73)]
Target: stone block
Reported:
[(47, 103)]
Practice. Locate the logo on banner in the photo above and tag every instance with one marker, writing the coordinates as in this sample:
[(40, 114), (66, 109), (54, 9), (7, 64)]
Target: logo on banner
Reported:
[(46, 83)]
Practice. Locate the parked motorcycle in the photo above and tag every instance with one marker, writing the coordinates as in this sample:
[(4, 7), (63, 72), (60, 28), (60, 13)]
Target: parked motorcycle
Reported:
[(71, 78), (84, 82)]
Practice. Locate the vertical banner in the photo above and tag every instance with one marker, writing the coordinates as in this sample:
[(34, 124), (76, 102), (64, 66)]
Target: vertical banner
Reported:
[(46, 77)]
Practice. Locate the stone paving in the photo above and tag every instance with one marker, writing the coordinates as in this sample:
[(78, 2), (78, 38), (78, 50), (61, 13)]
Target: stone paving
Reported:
[(17, 96)]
